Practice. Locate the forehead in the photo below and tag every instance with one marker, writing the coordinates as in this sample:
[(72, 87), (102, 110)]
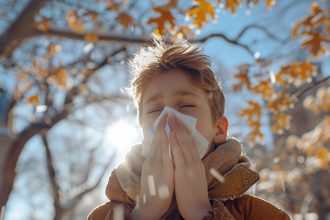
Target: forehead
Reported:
[(173, 82)]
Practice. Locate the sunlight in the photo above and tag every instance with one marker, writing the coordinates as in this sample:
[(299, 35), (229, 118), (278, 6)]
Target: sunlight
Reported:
[(121, 135)]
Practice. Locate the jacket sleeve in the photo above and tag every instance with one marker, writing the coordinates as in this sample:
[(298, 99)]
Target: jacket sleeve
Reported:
[(252, 207), (218, 212)]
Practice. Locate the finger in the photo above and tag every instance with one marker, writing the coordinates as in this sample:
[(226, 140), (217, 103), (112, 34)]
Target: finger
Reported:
[(184, 139), (178, 159), (156, 141)]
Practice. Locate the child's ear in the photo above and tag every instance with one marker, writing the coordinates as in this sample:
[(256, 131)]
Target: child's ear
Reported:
[(221, 128)]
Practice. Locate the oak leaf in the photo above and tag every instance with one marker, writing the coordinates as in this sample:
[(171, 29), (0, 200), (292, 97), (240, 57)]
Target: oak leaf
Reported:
[(125, 19), (33, 100), (164, 18), (200, 12)]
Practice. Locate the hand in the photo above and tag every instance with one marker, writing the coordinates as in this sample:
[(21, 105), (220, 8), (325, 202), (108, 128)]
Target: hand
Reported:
[(157, 185), (189, 174)]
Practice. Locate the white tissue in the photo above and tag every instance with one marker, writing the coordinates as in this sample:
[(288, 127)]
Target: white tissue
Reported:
[(188, 121)]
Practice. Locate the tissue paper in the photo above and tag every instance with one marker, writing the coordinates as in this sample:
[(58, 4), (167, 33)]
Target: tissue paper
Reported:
[(188, 121)]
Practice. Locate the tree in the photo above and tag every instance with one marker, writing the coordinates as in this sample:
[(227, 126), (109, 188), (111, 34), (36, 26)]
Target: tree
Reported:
[(71, 43)]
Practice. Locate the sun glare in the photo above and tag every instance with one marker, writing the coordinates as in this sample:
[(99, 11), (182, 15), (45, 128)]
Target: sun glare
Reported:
[(121, 135)]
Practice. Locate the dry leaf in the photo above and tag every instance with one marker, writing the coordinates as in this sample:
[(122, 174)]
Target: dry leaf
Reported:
[(200, 13), (33, 100)]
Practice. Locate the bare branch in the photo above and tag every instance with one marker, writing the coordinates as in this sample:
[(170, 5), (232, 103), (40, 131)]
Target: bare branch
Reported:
[(224, 37), (74, 201), (52, 177), (21, 29), (261, 28), (310, 87)]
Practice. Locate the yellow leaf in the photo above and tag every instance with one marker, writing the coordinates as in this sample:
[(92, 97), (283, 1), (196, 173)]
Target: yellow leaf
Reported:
[(60, 78), (281, 121), (184, 32), (92, 37), (270, 3), (264, 87), (280, 103), (297, 73), (22, 76), (53, 49), (243, 77), (125, 19), (33, 100), (200, 13), (232, 5), (74, 23), (43, 24), (164, 18)]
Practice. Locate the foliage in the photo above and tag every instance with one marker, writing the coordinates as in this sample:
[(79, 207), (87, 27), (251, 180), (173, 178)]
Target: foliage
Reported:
[(57, 57)]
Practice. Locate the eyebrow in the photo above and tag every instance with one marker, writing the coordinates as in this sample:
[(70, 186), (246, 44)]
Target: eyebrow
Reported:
[(180, 92)]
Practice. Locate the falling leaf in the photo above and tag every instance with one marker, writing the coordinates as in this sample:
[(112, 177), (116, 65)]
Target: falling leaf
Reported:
[(125, 19), (33, 100), (200, 13)]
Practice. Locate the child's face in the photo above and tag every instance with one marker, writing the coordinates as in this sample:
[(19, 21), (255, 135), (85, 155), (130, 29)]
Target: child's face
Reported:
[(175, 89)]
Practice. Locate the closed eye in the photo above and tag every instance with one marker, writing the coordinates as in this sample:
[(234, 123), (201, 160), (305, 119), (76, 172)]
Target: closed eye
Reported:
[(155, 110), (187, 106)]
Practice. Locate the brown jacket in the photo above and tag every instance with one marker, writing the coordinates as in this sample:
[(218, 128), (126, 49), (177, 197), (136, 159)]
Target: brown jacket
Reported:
[(229, 199)]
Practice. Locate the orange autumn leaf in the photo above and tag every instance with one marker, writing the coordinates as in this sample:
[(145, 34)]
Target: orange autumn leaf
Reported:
[(33, 100), (270, 3), (74, 23), (282, 122), (43, 24), (243, 78), (184, 32), (125, 19), (315, 28), (233, 4), (253, 118), (314, 44), (254, 110), (297, 73), (264, 88), (200, 13), (164, 18), (323, 155), (92, 37), (22, 76), (60, 78), (53, 49), (281, 102), (113, 6)]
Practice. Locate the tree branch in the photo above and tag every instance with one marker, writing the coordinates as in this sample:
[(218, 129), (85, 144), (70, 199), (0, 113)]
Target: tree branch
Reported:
[(21, 29), (261, 28), (52, 178), (312, 86)]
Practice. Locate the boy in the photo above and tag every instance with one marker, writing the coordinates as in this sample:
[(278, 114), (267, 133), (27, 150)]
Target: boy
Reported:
[(173, 180)]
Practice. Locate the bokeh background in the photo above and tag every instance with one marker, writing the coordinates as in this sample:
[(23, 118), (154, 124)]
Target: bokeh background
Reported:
[(66, 119)]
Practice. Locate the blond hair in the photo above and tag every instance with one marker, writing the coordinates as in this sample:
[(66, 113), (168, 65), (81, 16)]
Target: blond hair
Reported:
[(161, 57)]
